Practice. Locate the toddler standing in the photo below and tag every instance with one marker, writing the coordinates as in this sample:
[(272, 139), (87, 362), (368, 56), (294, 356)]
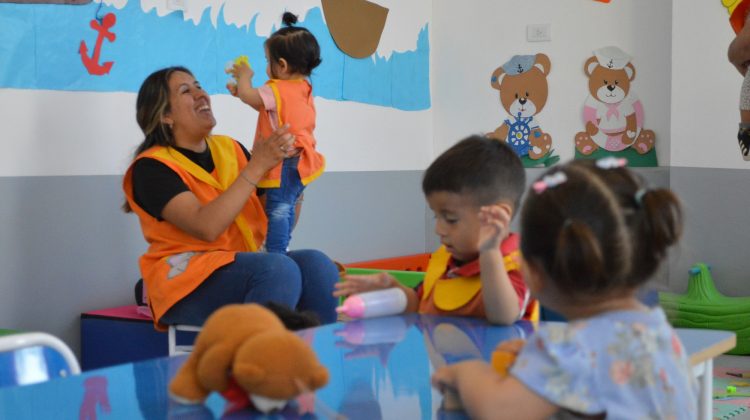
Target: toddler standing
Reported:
[(286, 99)]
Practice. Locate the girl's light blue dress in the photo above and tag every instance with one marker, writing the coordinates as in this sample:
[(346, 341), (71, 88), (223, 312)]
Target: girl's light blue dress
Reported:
[(624, 364)]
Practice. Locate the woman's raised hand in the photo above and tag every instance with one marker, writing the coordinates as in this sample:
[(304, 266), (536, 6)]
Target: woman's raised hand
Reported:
[(269, 152)]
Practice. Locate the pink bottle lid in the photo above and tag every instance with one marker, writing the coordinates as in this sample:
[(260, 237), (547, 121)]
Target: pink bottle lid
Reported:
[(353, 307)]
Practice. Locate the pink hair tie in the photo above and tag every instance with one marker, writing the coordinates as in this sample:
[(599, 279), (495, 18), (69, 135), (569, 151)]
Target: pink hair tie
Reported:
[(611, 162), (549, 181)]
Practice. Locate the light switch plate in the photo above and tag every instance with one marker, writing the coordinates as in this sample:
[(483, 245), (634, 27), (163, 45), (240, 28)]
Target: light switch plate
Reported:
[(538, 32)]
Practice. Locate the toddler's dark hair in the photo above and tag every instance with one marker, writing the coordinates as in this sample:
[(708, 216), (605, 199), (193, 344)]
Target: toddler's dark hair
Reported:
[(653, 215), (592, 236), (488, 170), (294, 44)]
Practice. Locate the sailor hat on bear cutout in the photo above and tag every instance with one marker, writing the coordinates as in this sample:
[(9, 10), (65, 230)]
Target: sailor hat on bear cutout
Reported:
[(519, 64), (612, 57)]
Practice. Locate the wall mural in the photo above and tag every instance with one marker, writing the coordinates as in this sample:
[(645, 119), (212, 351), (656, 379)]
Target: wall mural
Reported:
[(100, 48), (522, 82)]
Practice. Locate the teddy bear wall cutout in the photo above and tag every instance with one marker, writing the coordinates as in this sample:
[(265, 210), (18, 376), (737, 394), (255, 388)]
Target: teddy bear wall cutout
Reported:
[(612, 113), (522, 82)]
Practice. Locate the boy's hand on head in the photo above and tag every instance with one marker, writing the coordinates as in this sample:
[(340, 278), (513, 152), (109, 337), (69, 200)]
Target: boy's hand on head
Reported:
[(361, 283), (494, 226)]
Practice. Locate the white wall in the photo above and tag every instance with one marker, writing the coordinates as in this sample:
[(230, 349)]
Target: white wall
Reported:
[(705, 88), (472, 38)]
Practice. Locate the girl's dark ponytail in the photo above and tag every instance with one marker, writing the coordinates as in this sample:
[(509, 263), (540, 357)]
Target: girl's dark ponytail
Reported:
[(289, 19), (295, 44), (654, 217), (658, 224), (577, 254)]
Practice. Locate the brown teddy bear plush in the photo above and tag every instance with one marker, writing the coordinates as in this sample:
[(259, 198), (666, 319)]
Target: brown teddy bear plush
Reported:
[(612, 113), (248, 345), (522, 83)]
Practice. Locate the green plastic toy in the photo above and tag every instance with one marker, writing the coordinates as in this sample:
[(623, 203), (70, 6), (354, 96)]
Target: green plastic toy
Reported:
[(705, 307)]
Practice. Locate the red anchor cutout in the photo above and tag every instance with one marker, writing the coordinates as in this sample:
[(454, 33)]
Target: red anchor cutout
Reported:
[(92, 63)]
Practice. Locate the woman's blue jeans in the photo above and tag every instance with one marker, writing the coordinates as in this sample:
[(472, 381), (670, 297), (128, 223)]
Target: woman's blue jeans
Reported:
[(301, 280), (280, 207)]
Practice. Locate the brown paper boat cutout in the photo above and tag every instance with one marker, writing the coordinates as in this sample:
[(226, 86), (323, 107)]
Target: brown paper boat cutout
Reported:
[(355, 25)]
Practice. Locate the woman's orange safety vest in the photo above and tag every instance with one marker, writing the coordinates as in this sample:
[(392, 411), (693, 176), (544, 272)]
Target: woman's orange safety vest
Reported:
[(294, 106), (176, 262)]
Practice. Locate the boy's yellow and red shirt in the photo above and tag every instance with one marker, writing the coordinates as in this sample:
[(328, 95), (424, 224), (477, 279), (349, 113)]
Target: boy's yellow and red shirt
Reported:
[(450, 289)]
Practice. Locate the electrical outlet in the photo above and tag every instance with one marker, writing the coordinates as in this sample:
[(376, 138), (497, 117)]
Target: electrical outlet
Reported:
[(538, 32), (175, 4)]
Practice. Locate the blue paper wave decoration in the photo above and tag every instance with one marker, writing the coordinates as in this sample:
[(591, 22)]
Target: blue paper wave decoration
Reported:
[(39, 49)]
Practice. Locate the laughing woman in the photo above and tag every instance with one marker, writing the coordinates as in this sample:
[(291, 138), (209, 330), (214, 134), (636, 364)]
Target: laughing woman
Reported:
[(194, 193)]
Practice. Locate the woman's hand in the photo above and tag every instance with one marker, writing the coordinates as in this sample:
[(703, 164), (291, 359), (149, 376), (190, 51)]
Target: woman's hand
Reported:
[(353, 284), (269, 152)]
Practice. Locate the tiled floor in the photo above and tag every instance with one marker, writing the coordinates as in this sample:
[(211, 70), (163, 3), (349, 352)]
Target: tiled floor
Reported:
[(739, 362)]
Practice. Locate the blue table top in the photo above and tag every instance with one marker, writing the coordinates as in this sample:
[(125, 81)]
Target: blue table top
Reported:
[(379, 368)]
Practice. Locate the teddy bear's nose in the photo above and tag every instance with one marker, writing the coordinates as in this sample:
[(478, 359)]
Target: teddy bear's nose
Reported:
[(610, 87), (523, 101)]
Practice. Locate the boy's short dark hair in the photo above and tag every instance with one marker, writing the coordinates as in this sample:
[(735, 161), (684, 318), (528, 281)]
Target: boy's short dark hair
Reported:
[(488, 170)]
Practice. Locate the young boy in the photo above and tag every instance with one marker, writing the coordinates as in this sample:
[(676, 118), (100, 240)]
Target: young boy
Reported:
[(473, 189)]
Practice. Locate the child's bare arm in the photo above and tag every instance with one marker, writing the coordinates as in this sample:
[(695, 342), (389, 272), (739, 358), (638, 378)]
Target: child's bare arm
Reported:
[(484, 394), (739, 49), (352, 284), (500, 298), (244, 88)]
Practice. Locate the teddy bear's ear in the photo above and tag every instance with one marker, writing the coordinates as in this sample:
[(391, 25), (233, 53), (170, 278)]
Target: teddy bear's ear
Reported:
[(542, 63), (630, 70), (319, 377), (248, 374), (590, 65), (497, 77)]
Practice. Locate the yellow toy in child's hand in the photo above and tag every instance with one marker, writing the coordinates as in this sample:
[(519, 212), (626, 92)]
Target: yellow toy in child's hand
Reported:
[(501, 361), (230, 69), (505, 355), (230, 66), (242, 59)]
